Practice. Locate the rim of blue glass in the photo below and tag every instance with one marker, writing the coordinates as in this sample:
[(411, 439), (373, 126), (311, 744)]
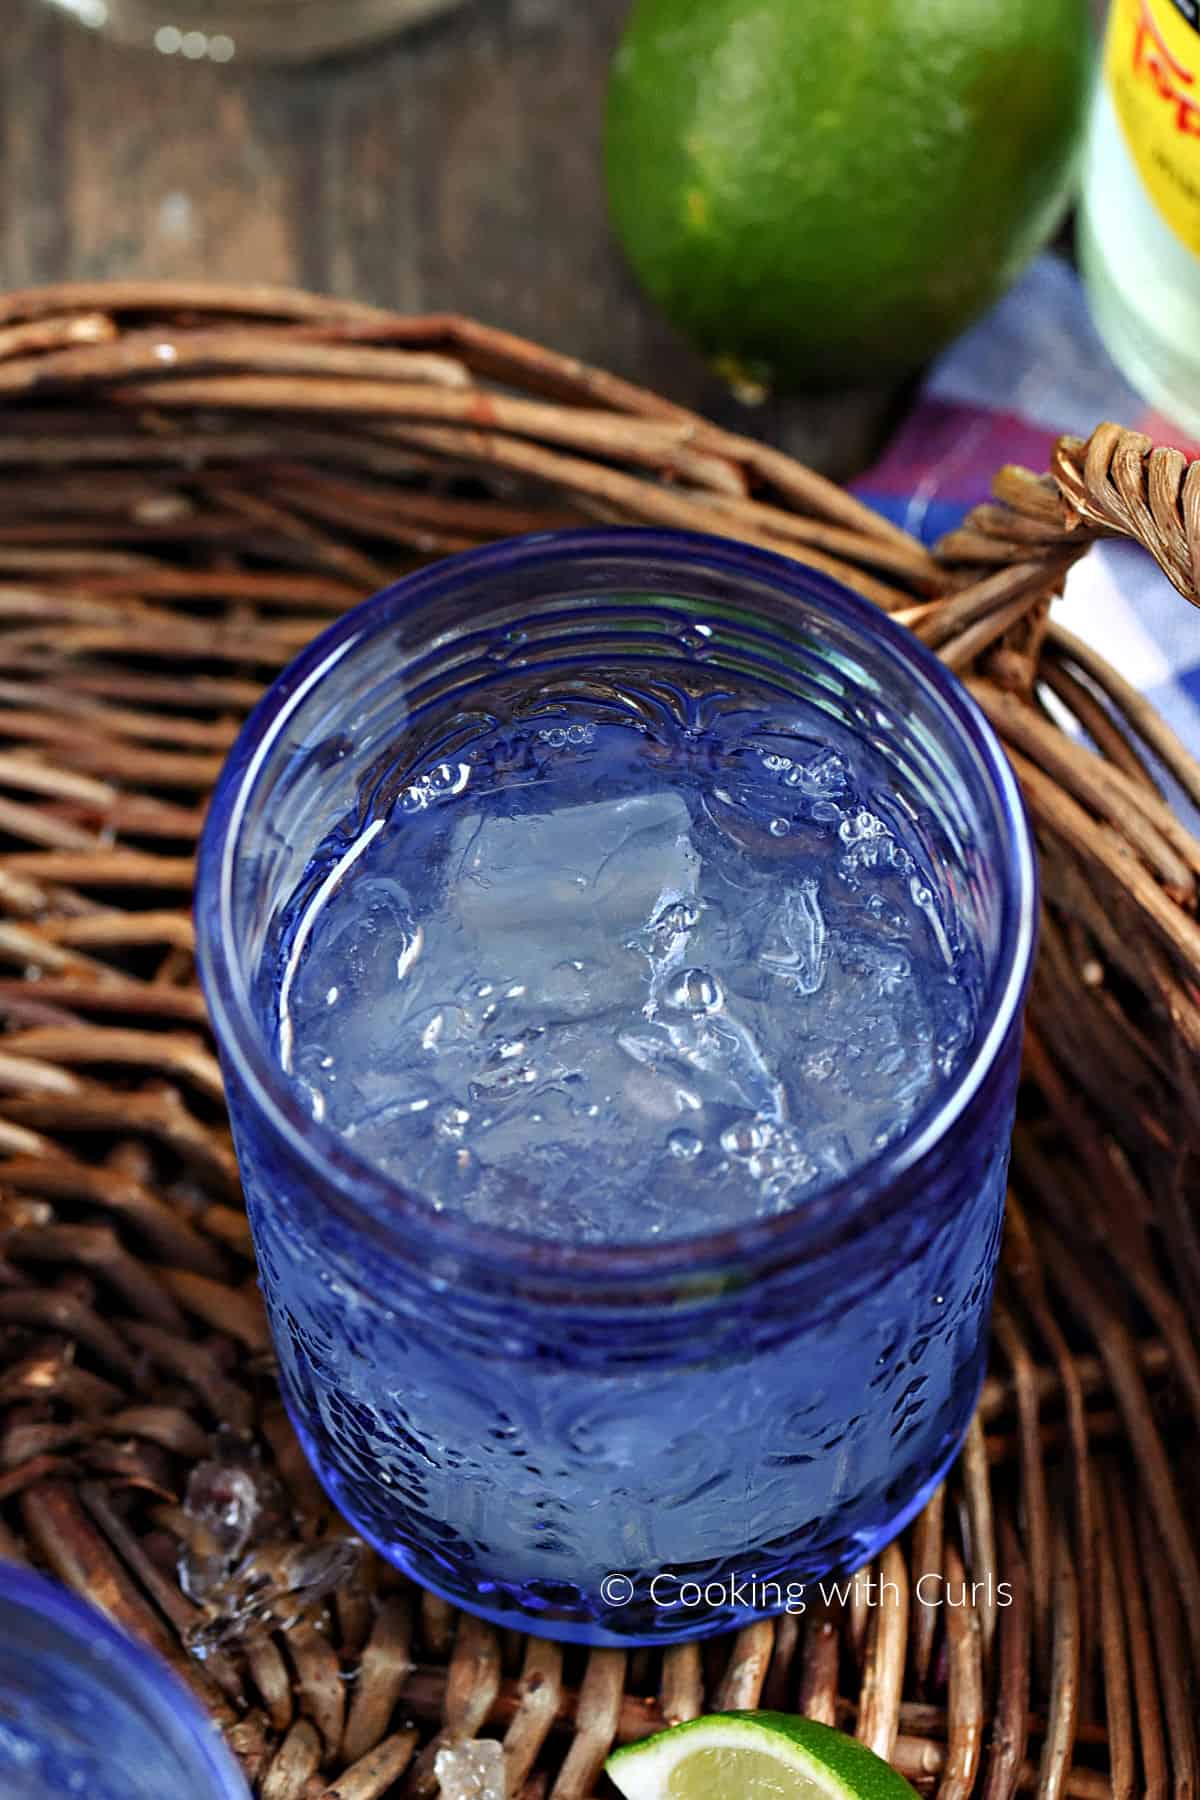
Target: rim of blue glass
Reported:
[(169, 1706), (393, 1214)]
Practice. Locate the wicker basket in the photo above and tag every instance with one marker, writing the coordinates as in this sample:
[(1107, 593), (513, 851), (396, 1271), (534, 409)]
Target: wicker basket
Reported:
[(192, 482)]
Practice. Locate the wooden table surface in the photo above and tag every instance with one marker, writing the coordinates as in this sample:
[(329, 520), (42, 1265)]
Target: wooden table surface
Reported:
[(457, 167)]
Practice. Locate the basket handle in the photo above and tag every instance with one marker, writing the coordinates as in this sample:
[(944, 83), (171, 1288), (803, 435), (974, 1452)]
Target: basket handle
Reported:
[(1003, 567), (1009, 558), (1116, 483)]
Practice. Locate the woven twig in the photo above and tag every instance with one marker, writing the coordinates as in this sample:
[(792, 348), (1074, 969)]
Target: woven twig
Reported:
[(192, 482)]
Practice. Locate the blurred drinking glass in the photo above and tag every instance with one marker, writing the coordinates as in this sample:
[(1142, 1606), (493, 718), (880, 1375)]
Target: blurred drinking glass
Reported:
[(272, 30), (87, 1711)]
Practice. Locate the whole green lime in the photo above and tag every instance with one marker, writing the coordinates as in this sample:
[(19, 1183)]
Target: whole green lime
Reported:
[(826, 191)]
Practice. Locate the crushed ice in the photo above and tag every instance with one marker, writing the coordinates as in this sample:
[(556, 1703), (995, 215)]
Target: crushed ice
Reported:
[(239, 1561), (471, 1771)]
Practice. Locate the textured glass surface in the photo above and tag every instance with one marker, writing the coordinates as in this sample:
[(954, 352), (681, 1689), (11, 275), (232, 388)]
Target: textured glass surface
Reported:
[(512, 1420), (84, 1710)]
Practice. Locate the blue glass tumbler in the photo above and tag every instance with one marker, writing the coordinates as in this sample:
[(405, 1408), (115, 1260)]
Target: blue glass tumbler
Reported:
[(622, 1443), (85, 1710)]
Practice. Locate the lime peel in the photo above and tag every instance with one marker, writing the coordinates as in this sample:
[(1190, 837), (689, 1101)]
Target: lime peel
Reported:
[(757, 1756)]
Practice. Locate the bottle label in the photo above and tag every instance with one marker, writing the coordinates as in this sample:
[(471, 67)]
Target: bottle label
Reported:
[(1152, 65)]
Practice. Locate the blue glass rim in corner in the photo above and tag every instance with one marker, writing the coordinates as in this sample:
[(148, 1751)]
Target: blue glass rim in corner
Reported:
[(381, 1206), (173, 1714)]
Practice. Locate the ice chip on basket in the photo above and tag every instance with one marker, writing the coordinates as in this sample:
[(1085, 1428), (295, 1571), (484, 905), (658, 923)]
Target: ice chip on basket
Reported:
[(473, 1771)]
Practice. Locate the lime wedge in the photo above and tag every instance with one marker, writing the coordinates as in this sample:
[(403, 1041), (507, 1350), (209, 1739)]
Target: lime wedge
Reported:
[(753, 1756)]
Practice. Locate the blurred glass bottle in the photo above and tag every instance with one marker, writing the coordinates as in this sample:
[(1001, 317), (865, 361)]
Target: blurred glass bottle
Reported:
[(1139, 237), (274, 30)]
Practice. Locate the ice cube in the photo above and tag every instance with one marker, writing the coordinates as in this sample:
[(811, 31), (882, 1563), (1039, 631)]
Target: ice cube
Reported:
[(226, 1499), (795, 948), (272, 1586), (611, 863), (472, 1771)]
